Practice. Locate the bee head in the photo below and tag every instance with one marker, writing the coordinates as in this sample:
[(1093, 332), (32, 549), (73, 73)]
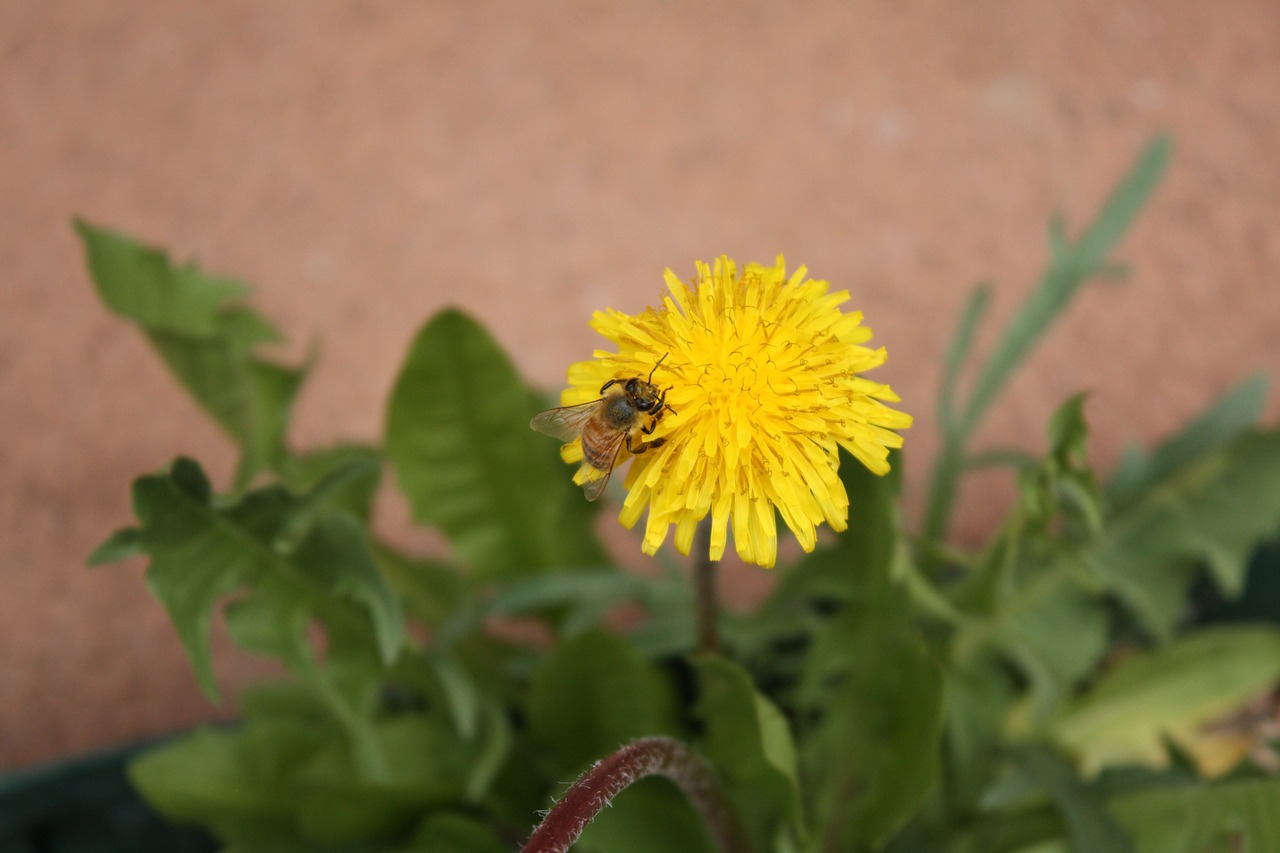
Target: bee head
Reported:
[(641, 394)]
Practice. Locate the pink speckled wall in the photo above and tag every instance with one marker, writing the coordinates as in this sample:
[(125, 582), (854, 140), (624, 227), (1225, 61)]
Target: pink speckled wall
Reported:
[(364, 164)]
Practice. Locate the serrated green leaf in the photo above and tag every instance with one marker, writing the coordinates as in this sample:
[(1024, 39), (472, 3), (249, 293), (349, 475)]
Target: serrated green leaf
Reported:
[(1222, 818), (124, 543), (459, 440), (1229, 417), (205, 336), (1167, 693), (196, 559), (140, 283), (592, 695), (273, 621), (749, 742), (201, 553), (1216, 510)]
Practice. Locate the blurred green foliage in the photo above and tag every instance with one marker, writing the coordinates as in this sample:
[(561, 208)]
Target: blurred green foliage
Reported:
[(1046, 692)]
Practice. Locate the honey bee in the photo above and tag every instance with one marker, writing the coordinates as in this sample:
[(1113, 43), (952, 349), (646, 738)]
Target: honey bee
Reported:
[(627, 410)]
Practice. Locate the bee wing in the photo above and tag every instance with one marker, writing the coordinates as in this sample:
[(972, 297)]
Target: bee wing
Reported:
[(564, 423), (594, 479)]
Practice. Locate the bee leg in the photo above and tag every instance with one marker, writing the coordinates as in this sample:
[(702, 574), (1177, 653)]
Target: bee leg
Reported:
[(641, 447), (606, 385)]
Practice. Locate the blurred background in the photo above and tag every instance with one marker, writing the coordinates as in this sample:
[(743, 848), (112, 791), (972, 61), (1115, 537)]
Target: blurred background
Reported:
[(363, 165)]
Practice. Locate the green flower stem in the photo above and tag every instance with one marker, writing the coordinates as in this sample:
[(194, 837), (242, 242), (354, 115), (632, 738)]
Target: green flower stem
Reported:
[(596, 788), (704, 590)]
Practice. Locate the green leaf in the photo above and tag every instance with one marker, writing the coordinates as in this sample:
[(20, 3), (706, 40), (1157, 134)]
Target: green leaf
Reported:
[(1230, 416), (1089, 825), (651, 816), (337, 556), (592, 695), (958, 353), (269, 783), (228, 781), (977, 696), (433, 592), (1040, 607), (1056, 630), (124, 543), (749, 742), (426, 766), (873, 754), (1059, 502), (345, 476), (458, 691), (576, 602), (1222, 818), (869, 544), (455, 833), (1215, 510), (1070, 266), (1129, 712), (140, 283), (1054, 623), (459, 440), (875, 525), (196, 559), (201, 552), (205, 336)]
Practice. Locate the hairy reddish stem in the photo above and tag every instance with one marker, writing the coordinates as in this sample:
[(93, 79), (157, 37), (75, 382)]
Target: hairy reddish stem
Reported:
[(646, 757)]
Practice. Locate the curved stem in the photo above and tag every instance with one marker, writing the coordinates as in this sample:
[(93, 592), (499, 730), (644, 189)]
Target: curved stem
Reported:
[(646, 757)]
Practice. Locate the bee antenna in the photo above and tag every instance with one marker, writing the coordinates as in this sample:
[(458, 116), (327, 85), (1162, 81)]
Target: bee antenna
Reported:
[(655, 366)]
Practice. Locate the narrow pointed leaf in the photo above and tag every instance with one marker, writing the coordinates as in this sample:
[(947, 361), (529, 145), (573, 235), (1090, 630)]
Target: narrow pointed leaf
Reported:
[(1070, 266)]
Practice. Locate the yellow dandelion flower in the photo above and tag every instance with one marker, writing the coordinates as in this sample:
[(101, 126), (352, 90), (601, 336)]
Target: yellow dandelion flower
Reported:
[(762, 375)]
